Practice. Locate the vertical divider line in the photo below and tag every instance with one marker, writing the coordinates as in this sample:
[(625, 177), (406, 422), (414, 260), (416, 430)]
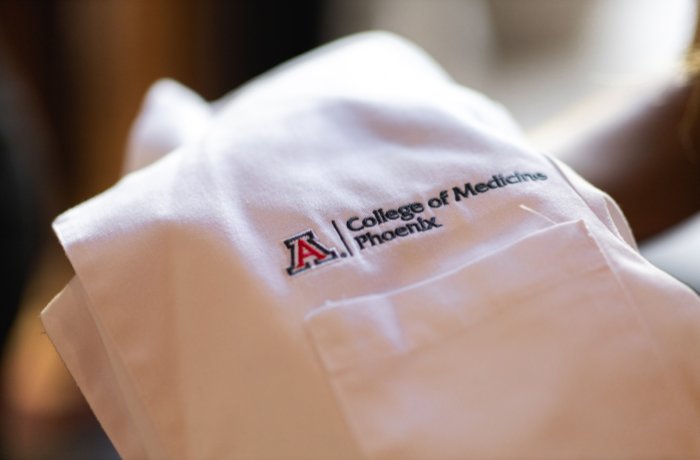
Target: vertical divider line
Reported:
[(342, 238)]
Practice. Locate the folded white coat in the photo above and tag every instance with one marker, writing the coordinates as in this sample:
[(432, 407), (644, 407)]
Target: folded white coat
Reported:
[(354, 257)]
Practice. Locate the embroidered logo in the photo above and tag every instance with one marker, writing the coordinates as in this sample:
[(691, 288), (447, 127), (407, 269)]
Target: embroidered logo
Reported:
[(366, 230), (306, 251)]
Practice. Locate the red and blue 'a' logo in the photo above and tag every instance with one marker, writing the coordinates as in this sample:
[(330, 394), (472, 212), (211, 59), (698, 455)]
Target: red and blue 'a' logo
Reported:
[(306, 251)]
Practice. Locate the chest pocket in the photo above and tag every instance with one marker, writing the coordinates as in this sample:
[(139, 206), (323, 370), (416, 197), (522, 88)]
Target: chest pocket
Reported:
[(534, 351)]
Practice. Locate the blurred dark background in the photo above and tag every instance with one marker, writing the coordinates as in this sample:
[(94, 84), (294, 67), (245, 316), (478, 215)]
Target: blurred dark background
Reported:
[(87, 64)]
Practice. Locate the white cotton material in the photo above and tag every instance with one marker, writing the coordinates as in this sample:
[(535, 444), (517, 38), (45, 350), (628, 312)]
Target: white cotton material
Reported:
[(358, 258), (171, 115)]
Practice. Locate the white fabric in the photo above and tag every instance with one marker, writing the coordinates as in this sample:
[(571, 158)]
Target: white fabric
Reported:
[(508, 316), (171, 115)]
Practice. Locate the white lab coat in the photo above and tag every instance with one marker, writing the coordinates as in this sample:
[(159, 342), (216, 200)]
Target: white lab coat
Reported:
[(354, 257)]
